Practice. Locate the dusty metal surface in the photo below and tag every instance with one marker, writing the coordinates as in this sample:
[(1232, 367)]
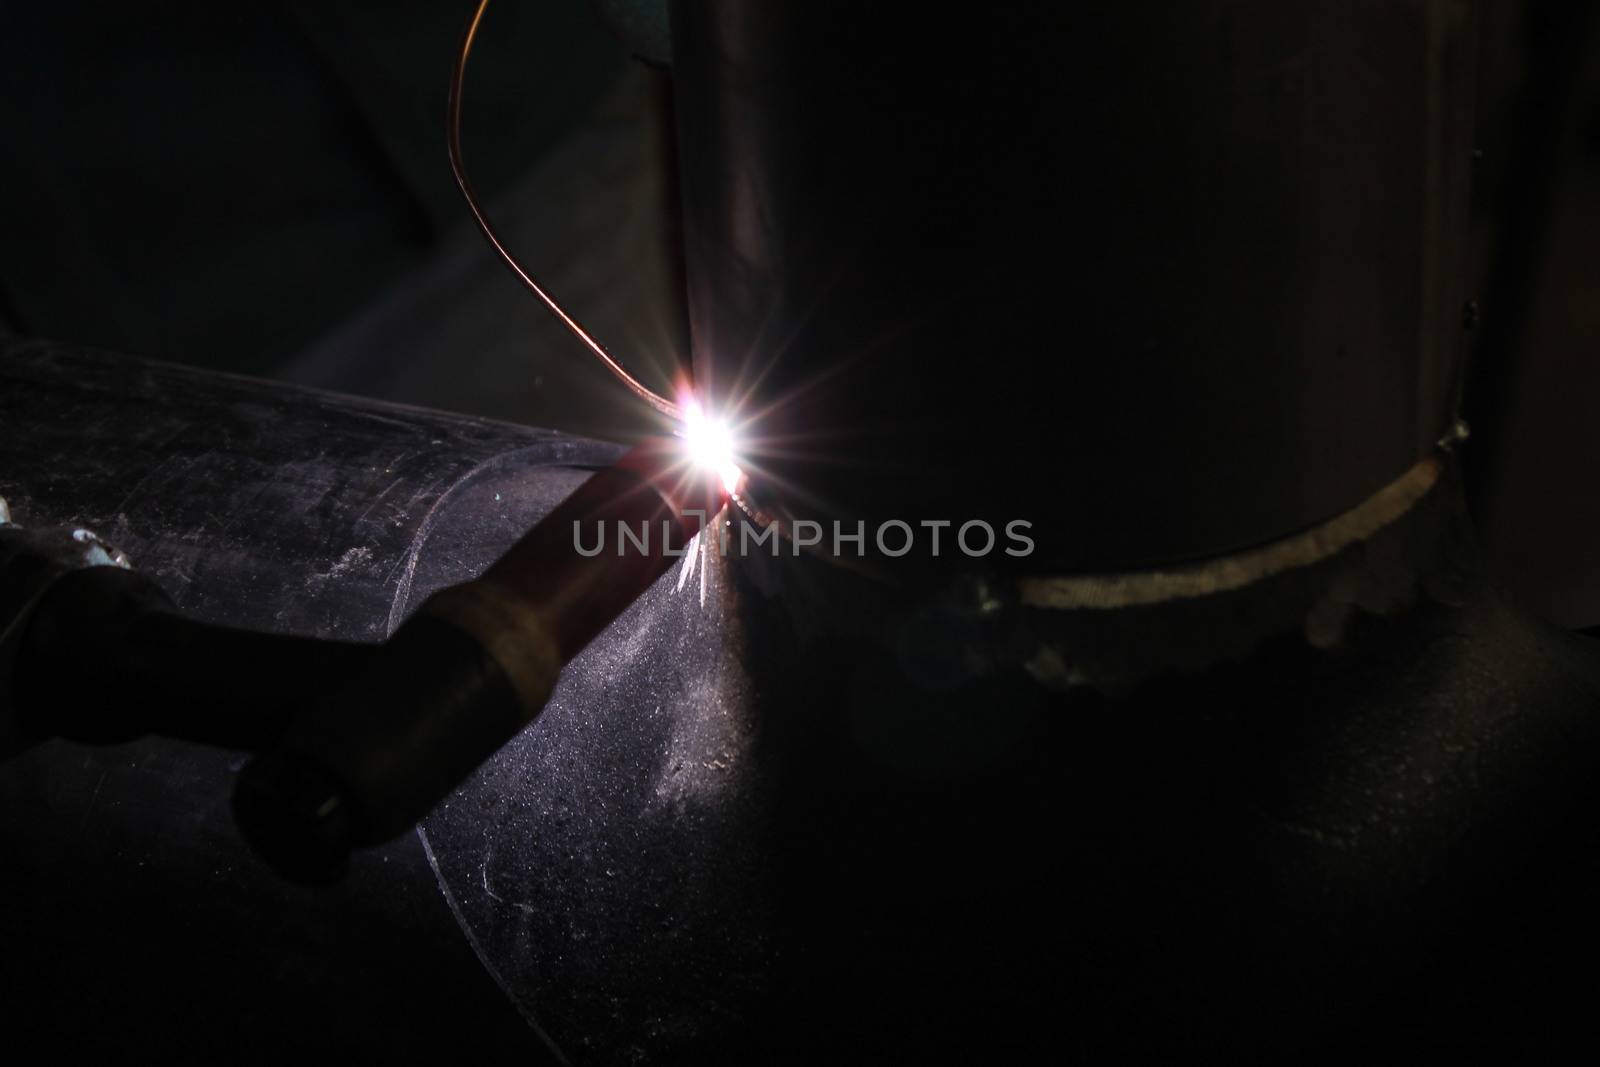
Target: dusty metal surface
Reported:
[(261, 506), (737, 838)]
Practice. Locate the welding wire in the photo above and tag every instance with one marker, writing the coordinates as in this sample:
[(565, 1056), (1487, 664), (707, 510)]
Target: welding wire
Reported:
[(457, 78)]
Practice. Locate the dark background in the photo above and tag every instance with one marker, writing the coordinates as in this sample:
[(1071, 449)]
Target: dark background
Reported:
[(263, 189)]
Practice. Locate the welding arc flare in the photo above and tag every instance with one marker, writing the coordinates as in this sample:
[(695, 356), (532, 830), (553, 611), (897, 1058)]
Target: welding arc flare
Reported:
[(457, 77), (709, 442)]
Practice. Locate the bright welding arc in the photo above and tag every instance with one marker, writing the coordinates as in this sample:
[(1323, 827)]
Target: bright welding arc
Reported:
[(457, 78)]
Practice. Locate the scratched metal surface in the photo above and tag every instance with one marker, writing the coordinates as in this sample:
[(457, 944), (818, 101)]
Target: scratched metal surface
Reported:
[(621, 839), (268, 506), (614, 867), (260, 505), (134, 919), (682, 862)]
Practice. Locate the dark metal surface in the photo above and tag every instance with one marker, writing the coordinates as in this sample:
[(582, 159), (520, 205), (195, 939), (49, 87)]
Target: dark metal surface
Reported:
[(471, 668), (1535, 382), (135, 920), (783, 854), (269, 507), (105, 657), (615, 864), (1167, 279), (32, 562), (734, 840)]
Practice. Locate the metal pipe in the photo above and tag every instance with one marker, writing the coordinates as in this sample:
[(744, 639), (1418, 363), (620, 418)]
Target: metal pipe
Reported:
[(468, 671)]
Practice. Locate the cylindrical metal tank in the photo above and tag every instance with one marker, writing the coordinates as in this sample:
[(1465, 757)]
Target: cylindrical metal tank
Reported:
[(1168, 280)]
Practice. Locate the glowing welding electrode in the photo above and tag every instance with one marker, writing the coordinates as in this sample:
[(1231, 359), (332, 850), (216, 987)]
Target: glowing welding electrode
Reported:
[(710, 444)]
